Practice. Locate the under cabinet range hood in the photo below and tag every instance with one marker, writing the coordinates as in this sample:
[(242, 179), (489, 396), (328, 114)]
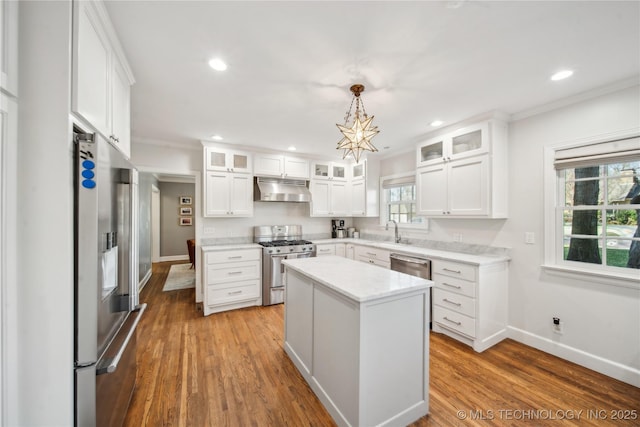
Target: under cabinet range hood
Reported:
[(281, 190)]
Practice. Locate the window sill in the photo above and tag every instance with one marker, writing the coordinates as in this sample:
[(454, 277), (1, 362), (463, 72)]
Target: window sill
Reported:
[(631, 280)]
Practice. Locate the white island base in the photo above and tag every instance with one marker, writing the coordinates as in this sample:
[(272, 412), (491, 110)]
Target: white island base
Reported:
[(359, 335)]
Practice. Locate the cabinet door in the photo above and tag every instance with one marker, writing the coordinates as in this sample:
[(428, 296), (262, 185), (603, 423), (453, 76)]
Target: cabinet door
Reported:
[(432, 151), (239, 162), (91, 65), (469, 186), (216, 194), (469, 141), (9, 46), (215, 159), (319, 198), (338, 172), (121, 117), (350, 251), (296, 168), (358, 170), (321, 170), (339, 199), (269, 165), (241, 195), (358, 198), (341, 250), (299, 306), (431, 187)]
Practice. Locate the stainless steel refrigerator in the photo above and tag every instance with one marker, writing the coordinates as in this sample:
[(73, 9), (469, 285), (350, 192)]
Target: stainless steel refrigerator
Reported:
[(106, 283)]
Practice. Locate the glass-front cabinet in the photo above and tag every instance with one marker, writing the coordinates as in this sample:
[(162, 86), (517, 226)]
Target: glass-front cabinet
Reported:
[(217, 159), (358, 171), (468, 141), (329, 170)]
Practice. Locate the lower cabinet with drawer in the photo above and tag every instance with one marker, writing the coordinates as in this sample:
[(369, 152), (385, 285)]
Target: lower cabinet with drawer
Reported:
[(232, 279), (470, 302), (372, 255)]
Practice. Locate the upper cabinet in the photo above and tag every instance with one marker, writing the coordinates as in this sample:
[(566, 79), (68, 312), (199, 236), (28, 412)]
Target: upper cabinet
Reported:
[(280, 166), (223, 160), (101, 75), (468, 141), (463, 173), (365, 188), (9, 47), (329, 170)]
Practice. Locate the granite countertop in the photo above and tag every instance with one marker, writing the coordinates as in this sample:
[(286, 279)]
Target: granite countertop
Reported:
[(405, 249), (356, 280)]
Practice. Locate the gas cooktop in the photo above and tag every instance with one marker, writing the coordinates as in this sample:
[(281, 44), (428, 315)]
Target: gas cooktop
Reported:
[(274, 243)]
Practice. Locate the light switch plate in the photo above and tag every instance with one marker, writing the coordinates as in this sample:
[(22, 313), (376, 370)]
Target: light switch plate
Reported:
[(529, 238)]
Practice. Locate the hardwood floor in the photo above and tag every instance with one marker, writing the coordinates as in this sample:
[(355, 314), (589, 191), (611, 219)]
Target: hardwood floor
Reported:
[(229, 369)]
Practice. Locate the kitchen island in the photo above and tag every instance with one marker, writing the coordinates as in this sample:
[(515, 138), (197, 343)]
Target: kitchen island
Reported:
[(359, 335)]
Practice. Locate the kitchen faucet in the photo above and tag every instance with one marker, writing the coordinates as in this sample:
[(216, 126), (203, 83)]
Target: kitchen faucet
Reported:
[(386, 227)]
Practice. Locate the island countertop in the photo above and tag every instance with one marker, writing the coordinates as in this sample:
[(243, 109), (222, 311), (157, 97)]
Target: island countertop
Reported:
[(356, 280)]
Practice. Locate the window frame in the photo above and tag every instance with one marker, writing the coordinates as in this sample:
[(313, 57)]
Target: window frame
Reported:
[(384, 203), (554, 262)]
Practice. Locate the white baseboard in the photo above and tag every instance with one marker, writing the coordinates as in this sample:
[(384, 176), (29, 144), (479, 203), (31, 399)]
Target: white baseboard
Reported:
[(607, 367), (174, 258), (144, 281)]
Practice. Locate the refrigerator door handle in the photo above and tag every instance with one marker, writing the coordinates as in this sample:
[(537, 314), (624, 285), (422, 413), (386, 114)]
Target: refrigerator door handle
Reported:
[(112, 365)]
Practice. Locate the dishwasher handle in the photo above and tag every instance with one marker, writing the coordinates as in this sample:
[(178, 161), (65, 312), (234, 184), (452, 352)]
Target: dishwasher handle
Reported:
[(410, 259)]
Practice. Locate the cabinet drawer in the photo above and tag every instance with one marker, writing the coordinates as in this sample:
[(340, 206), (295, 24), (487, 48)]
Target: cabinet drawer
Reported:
[(325, 250), (233, 256), (454, 269), (232, 272), (380, 263), (456, 302), (240, 291), (455, 321), (452, 284)]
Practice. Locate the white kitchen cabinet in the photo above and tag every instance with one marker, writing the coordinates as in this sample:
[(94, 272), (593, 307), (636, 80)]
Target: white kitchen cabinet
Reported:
[(456, 188), (470, 302), (365, 188), (9, 46), (329, 171), (341, 250), (350, 251), (329, 198), (101, 75), (228, 194), (370, 255), (231, 279), (224, 160), (323, 249), (463, 174), (280, 166)]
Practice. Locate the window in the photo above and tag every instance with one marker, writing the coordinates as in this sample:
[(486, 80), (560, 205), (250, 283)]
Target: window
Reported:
[(597, 205), (399, 201)]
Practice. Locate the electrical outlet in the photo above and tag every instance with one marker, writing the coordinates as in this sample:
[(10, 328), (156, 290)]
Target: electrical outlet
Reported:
[(457, 237), (558, 325), (209, 230)]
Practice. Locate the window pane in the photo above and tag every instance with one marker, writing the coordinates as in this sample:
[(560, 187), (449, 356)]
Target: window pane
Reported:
[(404, 208), (587, 222), (407, 192), (582, 250), (394, 194), (621, 189), (587, 192), (617, 257), (394, 209)]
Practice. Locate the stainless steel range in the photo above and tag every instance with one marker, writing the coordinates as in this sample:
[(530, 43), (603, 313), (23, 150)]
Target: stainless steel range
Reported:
[(279, 242)]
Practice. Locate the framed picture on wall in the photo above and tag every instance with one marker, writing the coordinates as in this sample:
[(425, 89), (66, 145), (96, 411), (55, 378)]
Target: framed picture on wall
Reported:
[(186, 210), (186, 220), (185, 200)]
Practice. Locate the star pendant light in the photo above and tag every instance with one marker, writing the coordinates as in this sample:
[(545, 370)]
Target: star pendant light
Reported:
[(357, 137)]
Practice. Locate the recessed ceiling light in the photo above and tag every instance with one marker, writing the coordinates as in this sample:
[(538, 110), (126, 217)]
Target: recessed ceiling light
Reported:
[(217, 137), (217, 64), (436, 123), (291, 148), (561, 75)]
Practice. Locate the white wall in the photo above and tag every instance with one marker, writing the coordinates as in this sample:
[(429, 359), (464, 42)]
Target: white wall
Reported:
[(43, 395), (601, 322)]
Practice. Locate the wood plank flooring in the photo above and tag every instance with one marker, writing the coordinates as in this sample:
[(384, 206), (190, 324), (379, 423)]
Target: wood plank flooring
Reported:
[(229, 369)]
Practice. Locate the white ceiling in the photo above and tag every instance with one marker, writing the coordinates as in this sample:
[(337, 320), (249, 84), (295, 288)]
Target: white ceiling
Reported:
[(291, 64)]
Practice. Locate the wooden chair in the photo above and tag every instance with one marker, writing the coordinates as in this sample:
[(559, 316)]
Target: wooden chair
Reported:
[(191, 246)]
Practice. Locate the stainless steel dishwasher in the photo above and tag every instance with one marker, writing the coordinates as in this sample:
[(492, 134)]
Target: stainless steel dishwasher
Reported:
[(414, 266)]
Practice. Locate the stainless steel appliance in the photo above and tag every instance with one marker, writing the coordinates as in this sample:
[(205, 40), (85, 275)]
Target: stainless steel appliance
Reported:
[(106, 276), (414, 266), (337, 228), (279, 242)]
